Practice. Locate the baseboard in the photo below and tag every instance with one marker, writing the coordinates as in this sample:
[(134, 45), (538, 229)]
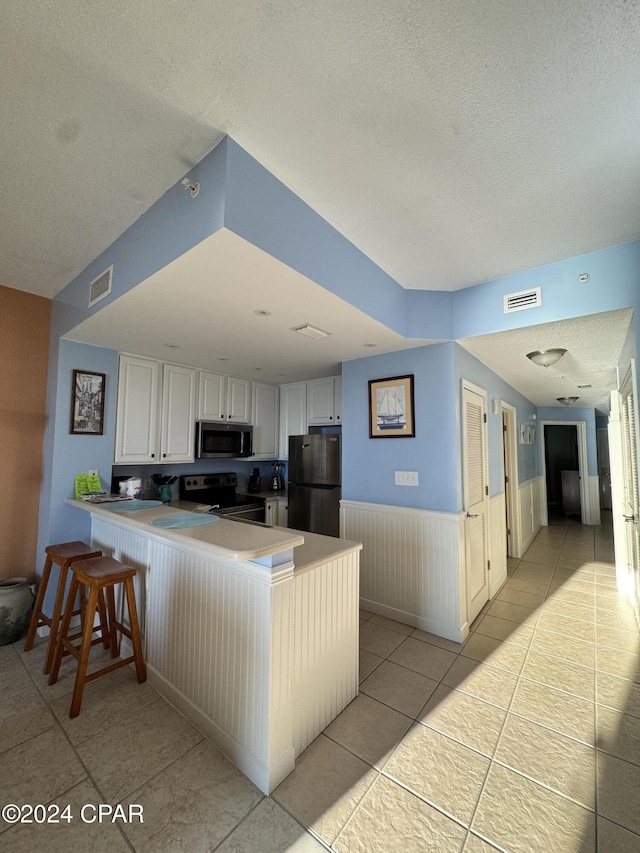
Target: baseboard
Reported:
[(433, 626)]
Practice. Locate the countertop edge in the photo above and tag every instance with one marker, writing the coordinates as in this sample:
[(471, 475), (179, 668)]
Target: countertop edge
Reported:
[(287, 540)]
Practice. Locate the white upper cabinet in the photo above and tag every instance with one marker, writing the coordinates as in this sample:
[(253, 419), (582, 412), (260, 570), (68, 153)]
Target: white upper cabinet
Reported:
[(223, 398), (293, 414), (137, 410), (238, 400), (212, 396), (178, 413), (148, 389), (265, 421), (321, 401), (337, 406)]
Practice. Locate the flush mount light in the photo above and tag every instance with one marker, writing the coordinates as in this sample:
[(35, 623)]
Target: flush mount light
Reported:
[(567, 401), (369, 345), (193, 186), (262, 313), (172, 346), (310, 331), (545, 357), (222, 358)]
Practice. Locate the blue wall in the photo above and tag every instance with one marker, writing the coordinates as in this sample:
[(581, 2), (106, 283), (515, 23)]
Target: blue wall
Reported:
[(369, 463), (238, 193), (579, 414)]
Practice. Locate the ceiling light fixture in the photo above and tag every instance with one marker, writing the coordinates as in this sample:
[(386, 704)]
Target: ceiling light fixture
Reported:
[(545, 357), (262, 313), (190, 185), (567, 401), (370, 345), (310, 331)]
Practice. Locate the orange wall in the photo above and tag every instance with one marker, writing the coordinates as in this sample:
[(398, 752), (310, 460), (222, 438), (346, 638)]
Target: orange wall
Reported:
[(24, 353)]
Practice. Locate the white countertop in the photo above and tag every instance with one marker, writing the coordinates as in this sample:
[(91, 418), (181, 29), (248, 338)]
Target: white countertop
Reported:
[(224, 538), (231, 539)]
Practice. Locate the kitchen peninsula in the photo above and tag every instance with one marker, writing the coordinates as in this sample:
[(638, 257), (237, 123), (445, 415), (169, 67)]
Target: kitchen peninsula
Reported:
[(250, 631)]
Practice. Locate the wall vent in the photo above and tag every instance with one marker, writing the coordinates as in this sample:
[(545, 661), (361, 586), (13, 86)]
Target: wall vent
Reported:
[(522, 300), (100, 286)]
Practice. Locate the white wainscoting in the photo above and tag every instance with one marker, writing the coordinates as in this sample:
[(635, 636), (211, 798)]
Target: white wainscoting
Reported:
[(592, 500), (325, 646), (260, 660), (411, 566), (497, 543), (529, 498)]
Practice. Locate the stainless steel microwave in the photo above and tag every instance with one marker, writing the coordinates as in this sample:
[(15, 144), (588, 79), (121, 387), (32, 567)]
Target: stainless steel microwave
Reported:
[(220, 440)]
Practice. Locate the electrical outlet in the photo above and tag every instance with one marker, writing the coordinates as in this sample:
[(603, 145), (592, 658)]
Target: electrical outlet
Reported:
[(406, 478), (93, 472)]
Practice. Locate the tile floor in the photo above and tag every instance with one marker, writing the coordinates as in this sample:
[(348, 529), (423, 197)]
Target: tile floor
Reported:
[(525, 738)]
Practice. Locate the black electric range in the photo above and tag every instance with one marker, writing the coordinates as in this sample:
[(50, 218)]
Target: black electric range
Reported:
[(217, 492)]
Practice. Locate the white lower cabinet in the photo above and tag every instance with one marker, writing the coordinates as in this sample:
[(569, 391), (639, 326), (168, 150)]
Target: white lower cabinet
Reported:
[(271, 511), (151, 395), (283, 512)]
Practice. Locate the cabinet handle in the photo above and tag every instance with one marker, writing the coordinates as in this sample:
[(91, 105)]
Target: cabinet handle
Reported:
[(164, 455), (153, 455)]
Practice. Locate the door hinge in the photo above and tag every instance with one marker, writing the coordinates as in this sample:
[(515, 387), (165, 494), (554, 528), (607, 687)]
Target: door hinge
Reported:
[(506, 479), (508, 532), (486, 490), (504, 427), (488, 565), (484, 417)]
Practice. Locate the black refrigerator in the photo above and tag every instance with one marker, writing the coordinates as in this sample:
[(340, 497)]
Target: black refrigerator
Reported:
[(315, 466)]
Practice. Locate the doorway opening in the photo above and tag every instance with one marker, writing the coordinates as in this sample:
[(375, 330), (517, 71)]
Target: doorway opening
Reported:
[(562, 473)]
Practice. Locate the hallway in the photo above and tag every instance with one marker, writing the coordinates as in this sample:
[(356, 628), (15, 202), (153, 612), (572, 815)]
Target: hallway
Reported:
[(526, 738)]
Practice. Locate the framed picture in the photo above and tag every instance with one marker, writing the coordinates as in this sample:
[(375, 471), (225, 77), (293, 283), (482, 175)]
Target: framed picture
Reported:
[(87, 403), (391, 407), (523, 433)]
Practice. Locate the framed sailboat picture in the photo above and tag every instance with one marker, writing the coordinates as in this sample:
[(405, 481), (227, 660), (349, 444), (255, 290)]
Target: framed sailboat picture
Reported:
[(391, 407)]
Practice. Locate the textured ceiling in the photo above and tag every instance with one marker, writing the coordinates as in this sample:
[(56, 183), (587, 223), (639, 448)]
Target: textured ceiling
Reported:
[(453, 142), (594, 344)]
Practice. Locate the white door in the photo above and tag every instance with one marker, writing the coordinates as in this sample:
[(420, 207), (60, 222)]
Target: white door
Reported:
[(630, 425), (474, 404)]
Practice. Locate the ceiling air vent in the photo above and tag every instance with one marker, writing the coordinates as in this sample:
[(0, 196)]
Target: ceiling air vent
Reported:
[(522, 300), (100, 286)]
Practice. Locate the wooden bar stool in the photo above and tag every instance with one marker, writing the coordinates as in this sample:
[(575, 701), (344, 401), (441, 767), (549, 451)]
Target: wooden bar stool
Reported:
[(61, 555), (98, 575)]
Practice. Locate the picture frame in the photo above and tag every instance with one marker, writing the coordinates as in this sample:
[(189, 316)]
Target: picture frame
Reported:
[(87, 403), (523, 433), (391, 407)]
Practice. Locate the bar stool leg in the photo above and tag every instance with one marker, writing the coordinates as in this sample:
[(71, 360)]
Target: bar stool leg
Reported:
[(104, 624), (85, 648), (64, 630), (113, 625), (141, 669), (37, 606), (55, 619)]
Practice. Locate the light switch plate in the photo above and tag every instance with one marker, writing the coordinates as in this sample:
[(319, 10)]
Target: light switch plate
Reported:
[(93, 472), (406, 478)]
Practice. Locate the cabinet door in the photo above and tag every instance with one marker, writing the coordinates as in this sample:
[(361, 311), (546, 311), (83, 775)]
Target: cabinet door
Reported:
[(293, 414), (212, 393), (283, 513), (238, 400), (178, 413), (320, 401), (338, 398), (271, 512), (137, 410), (265, 421)]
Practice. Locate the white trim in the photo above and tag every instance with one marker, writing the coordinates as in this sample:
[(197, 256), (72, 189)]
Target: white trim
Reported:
[(514, 502), (389, 509), (586, 510), (497, 543)]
